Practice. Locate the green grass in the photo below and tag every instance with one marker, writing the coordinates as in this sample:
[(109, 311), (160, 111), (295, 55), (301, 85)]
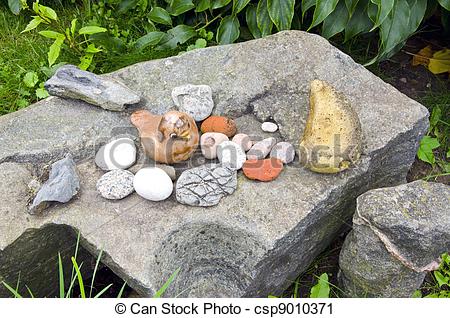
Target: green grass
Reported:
[(27, 52)]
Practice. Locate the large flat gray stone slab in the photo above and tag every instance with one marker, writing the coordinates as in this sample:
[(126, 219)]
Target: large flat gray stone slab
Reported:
[(256, 241)]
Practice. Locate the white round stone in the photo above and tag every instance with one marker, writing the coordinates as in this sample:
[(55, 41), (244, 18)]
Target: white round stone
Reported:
[(153, 184), (116, 184), (117, 154), (209, 142), (243, 140), (232, 154), (269, 127)]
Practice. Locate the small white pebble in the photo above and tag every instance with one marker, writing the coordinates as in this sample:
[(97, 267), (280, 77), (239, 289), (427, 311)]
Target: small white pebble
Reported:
[(269, 127)]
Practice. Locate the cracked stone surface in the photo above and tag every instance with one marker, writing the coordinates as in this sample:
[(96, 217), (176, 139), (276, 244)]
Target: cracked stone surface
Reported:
[(398, 235), (255, 241), (206, 185)]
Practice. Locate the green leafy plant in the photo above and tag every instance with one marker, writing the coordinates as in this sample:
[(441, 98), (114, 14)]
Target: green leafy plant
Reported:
[(75, 38), (322, 288), (441, 287), (434, 148), (77, 276)]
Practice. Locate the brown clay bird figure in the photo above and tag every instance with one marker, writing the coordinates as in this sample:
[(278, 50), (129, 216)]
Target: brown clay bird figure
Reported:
[(169, 138)]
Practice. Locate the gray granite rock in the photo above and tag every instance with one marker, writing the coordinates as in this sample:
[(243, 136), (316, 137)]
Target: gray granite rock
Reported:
[(206, 185), (116, 184), (195, 100), (249, 244), (398, 235), (71, 82), (63, 183)]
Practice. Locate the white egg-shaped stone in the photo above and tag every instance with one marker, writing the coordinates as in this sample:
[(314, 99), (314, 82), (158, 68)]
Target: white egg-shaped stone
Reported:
[(153, 184), (232, 154), (117, 154), (269, 126)]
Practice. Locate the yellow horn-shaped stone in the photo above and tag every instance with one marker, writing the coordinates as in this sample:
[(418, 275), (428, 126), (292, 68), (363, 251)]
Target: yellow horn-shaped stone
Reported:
[(332, 138)]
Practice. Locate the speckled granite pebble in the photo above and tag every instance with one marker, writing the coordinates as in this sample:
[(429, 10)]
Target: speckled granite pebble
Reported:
[(116, 184)]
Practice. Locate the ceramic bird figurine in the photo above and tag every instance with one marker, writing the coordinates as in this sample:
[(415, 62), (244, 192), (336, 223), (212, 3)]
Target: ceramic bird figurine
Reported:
[(169, 138)]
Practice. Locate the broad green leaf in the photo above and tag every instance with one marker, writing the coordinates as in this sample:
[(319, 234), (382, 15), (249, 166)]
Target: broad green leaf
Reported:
[(73, 27), (126, 5), (30, 79), (92, 49), (41, 92), (351, 6), (441, 279), (216, 4), (281, 13), (250, 17), (336, 21), (359, 22), (445, 4), (177, 35), (306, 5), (202, 5), (395, 28), (322, 288), (426, 147), (14, 6), (91, 30), (322, 10), (51, 34), (178, 7), (86, 61), (159, 15), (384, 8), (33, 24), (150, 39), (48, 12), (53, 52), (228, 30), (239, 5), (265, 24), (418, 10)]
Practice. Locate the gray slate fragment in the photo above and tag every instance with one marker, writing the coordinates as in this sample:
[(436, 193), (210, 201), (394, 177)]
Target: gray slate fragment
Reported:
[(195, 100), (261, 149), (398, 235), (63, 183), (116, 184), (71, 82), (206, 185)]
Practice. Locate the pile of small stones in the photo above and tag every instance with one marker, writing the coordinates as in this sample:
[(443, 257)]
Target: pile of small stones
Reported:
[(205, 185)]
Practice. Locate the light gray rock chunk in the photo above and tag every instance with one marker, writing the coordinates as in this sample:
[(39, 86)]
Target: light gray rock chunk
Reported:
[(398, 235), (195, 100), (71, 82), (283, 151), (247, 245), (63, 183), (206, 185), (116, 184), (232, 154), (261, 149)]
